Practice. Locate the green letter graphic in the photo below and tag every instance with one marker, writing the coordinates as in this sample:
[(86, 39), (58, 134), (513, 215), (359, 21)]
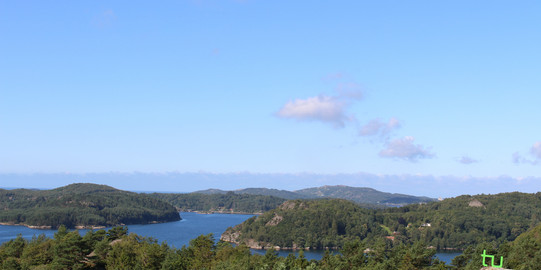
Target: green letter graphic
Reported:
[(492, 260)]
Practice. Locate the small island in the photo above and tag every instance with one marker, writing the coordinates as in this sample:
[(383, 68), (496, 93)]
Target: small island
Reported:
[(81, 206)]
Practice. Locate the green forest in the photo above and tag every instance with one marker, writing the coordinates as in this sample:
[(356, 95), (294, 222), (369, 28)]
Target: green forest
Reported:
[(82, 205), (116, 249), (455, 223), (317, 224), (229, 202)]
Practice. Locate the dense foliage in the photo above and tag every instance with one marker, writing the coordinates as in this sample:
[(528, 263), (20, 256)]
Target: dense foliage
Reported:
[(466, 220), (82, 205), (308, 223), (521, 254), (452, 223), (115, 249), (224, 203)]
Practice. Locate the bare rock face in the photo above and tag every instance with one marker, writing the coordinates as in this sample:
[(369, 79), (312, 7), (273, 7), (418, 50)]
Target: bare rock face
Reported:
[(475, 203), (287, 205), (275, 220)]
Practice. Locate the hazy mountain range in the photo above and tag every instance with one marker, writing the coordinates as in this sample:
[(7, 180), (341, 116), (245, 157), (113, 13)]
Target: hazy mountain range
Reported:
[(360, 195)]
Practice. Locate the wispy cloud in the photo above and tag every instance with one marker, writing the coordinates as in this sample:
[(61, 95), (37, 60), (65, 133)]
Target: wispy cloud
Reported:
[(535, 151), (404, 148), (333, 76), (105, 19), (349, 91), (467, 160), (518, 159), (328, 109), (379, 128)]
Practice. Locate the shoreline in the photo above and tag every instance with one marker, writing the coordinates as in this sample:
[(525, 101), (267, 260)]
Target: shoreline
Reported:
[(219, 212), (252, 244), (42, 227), (79, 227)]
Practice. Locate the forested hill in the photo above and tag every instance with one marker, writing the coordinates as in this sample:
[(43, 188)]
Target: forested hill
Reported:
[(466, 220), (220, 202), (84, 205), (452, 223), (307, 223)]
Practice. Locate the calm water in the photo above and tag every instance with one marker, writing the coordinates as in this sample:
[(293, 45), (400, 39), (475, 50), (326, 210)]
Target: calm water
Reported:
[(180, 233)]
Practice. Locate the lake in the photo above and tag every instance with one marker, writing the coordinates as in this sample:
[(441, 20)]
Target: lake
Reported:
[(180, 233)]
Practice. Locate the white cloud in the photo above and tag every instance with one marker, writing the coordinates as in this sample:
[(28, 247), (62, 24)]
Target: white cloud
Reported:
[(404, 148), (467, 160), (329, 109), (379, 128)]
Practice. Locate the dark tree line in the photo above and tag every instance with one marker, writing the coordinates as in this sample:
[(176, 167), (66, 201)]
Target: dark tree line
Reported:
[(116, 249)]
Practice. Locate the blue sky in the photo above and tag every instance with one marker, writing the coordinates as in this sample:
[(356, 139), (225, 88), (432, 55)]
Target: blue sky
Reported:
[(412, 89)]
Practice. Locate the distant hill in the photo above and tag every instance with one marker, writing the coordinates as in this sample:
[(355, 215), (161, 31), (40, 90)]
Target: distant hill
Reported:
[(82, 205), (367, 197), (211, 191), (452, 223), (228, 202), (361, 195), (288, 195)]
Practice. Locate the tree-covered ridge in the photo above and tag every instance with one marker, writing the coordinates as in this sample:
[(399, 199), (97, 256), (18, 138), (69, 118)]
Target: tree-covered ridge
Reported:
[(466, 220), (453, 223), (224, 203), (324, 223), (82, 205)]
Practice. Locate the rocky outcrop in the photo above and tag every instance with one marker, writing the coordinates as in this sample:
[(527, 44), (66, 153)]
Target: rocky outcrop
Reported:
[(475, 203), (44, 227), (275, 220), (288, 205), (231, 237)]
